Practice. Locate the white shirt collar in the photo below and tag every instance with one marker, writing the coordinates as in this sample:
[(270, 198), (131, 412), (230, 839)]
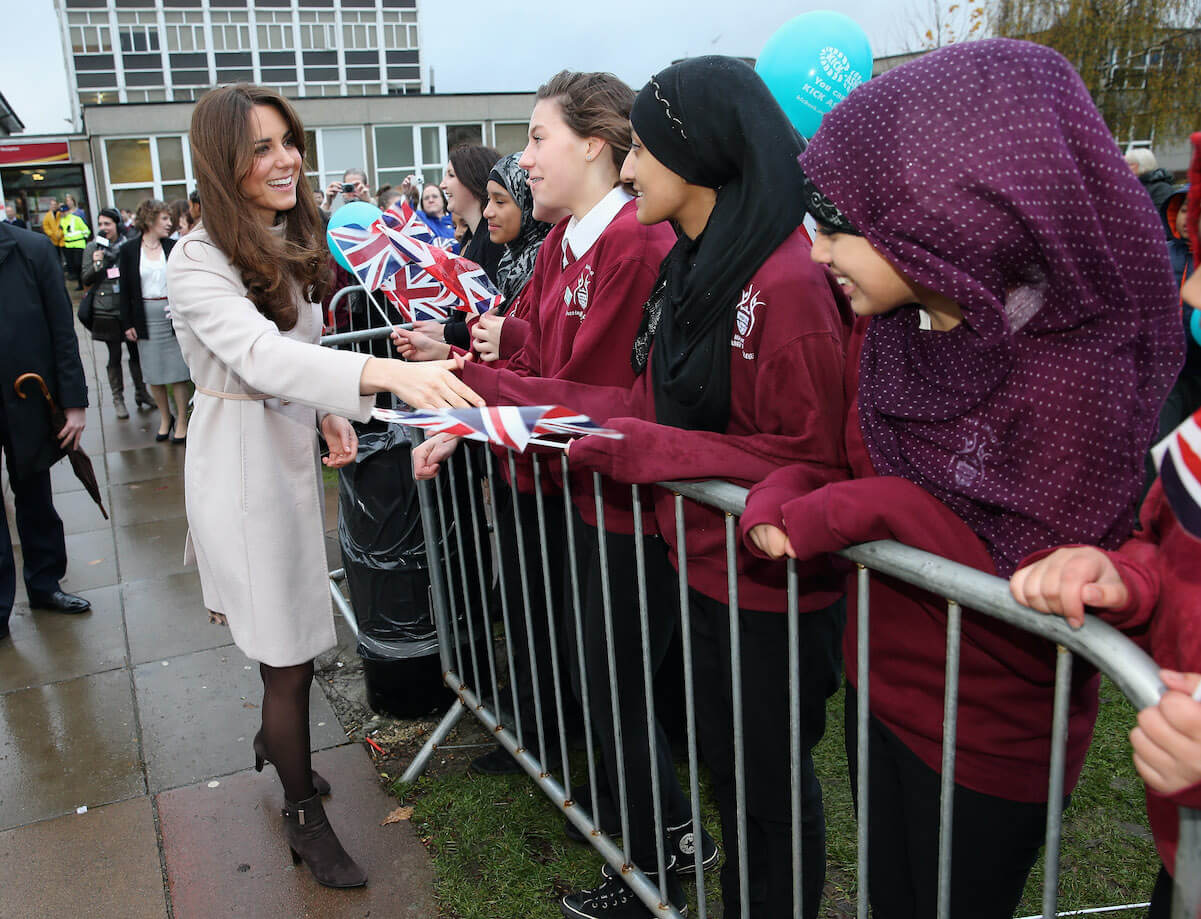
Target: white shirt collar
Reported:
[(581, 235)]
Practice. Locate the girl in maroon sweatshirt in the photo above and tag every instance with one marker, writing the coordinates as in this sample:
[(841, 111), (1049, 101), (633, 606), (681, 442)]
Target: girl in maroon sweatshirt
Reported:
[(594, 271), (740, 363), (1022, 336)]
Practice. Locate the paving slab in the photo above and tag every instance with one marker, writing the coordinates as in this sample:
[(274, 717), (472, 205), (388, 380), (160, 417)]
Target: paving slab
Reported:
[(103, 864), (226, 856), (147, 501), (136, 433), (138, 464), (200, 712), (62, 479), (67, 744), (51, 647), (153, 549), (166, 617), (91, 561), (79, 513)]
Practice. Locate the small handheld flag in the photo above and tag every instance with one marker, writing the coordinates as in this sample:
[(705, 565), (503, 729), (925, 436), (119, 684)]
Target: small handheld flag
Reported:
[(1178, 457), (512, 426)]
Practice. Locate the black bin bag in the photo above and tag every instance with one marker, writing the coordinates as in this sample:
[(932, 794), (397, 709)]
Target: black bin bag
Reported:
[(387, 574)]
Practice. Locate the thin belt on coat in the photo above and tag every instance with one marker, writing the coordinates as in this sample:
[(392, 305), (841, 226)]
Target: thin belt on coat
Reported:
[(239, 396)]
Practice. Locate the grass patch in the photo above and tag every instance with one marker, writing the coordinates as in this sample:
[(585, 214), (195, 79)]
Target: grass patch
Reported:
[(499, 850)]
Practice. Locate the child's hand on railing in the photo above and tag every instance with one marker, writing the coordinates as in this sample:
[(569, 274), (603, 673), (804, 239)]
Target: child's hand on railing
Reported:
[(1067, 580), (771, 541), (429, 455), (1167, 741), (416, 346)]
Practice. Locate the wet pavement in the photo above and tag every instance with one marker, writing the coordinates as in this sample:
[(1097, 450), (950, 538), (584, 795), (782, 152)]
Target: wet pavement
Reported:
[(126, 787)]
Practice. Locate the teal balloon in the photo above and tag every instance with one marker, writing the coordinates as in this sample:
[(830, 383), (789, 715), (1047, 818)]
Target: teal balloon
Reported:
[(355, 214), (810, 64)]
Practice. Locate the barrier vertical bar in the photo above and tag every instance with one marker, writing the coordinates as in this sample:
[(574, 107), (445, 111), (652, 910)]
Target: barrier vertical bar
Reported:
[(863, 697), (465, 581), (648, 686), (502, 580), (433, 555), (1186, 893), (577, 615), (794, 737), (552, 631), (744, 889), (481, 577), (607, 602), (1059, 745), (694, 785), (447, 570), (519, 529), (946, 798)]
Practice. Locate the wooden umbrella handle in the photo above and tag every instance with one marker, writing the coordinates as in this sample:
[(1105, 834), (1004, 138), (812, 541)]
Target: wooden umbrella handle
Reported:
[(42, 383)]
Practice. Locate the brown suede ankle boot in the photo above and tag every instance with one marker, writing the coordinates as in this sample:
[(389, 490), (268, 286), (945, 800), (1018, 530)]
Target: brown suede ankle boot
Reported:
[(313, 840)]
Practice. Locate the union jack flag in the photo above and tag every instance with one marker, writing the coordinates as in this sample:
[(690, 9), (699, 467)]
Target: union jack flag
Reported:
[(511, 426), (1179, 458), (400, 239)]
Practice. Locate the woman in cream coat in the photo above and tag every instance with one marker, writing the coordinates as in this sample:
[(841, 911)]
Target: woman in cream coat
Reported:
[(244, 291)]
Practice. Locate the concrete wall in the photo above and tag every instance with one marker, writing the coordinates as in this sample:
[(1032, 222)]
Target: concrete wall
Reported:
[(175, 117)]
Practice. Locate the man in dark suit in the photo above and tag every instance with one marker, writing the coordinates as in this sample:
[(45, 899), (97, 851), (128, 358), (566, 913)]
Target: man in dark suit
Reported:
[(10, 216), (37, 335)]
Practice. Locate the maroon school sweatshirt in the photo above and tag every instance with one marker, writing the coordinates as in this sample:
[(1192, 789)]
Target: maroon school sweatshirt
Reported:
[(786, 407), (582, 320), (1007, 676), (1161, 568)]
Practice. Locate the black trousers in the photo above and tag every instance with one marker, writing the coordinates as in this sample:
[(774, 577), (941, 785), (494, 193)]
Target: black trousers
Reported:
[(764, 641), (74, 259), (513, 506), (43, 544), (631, 711), (1161, 896), (994, 841)]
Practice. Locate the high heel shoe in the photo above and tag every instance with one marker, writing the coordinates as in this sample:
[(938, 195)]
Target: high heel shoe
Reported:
[(313, 841), (170, 427), (320, 785)]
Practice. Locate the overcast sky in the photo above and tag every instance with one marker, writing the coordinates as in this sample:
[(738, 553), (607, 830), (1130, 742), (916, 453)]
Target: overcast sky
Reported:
[(476, 46)]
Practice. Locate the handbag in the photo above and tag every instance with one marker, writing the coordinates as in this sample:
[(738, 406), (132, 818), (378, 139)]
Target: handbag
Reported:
[(86, 305)]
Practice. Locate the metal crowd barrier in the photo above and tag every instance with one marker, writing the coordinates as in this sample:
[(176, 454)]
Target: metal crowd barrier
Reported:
[(453, 585)]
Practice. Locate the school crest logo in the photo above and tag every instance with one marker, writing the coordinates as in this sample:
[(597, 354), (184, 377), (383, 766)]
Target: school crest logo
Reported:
[(744, 319), (575, 296)]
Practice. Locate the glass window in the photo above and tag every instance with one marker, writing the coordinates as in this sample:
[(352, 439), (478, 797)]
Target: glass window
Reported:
[(174, 192), (129, 160), (511, 136), (130, 198), (170, 157), (431, 149), (457, 134), (394, 148), (341, 149)]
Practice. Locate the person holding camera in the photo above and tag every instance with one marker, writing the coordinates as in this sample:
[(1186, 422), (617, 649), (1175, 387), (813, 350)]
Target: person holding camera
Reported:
[(100, 272), (353, 187)]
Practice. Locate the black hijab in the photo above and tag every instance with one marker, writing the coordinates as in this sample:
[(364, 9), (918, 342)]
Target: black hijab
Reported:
[(517, 264), (713, 122)]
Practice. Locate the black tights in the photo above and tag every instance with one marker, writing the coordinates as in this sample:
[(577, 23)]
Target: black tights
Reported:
[(286, 726)]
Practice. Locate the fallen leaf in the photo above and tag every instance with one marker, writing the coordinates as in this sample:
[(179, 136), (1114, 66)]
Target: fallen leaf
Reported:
[(401, 813)]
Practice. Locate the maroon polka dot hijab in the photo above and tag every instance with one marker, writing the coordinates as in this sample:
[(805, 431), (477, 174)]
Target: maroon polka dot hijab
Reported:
[(984, 172)]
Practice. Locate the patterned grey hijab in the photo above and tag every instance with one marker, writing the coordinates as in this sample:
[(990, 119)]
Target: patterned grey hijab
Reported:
[(517, 264)]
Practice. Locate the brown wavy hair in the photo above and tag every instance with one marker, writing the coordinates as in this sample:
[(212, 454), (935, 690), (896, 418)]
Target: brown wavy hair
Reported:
[(147, 212), (222, 143), (594, 105)]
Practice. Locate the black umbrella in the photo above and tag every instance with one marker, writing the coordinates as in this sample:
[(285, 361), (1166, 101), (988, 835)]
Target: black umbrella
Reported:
[(80, 464)]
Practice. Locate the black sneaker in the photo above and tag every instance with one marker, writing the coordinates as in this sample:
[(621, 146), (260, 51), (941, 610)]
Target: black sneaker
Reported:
[(681, 845), (612, 899)]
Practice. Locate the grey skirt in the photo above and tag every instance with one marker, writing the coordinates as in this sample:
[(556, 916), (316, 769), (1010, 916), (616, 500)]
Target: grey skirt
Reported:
[(161, 361)]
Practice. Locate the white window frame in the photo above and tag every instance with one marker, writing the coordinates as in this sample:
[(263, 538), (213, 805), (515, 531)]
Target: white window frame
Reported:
[(188, 180)]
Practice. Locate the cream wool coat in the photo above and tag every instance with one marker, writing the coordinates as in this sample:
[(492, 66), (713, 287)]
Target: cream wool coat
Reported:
[(252, 475)]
